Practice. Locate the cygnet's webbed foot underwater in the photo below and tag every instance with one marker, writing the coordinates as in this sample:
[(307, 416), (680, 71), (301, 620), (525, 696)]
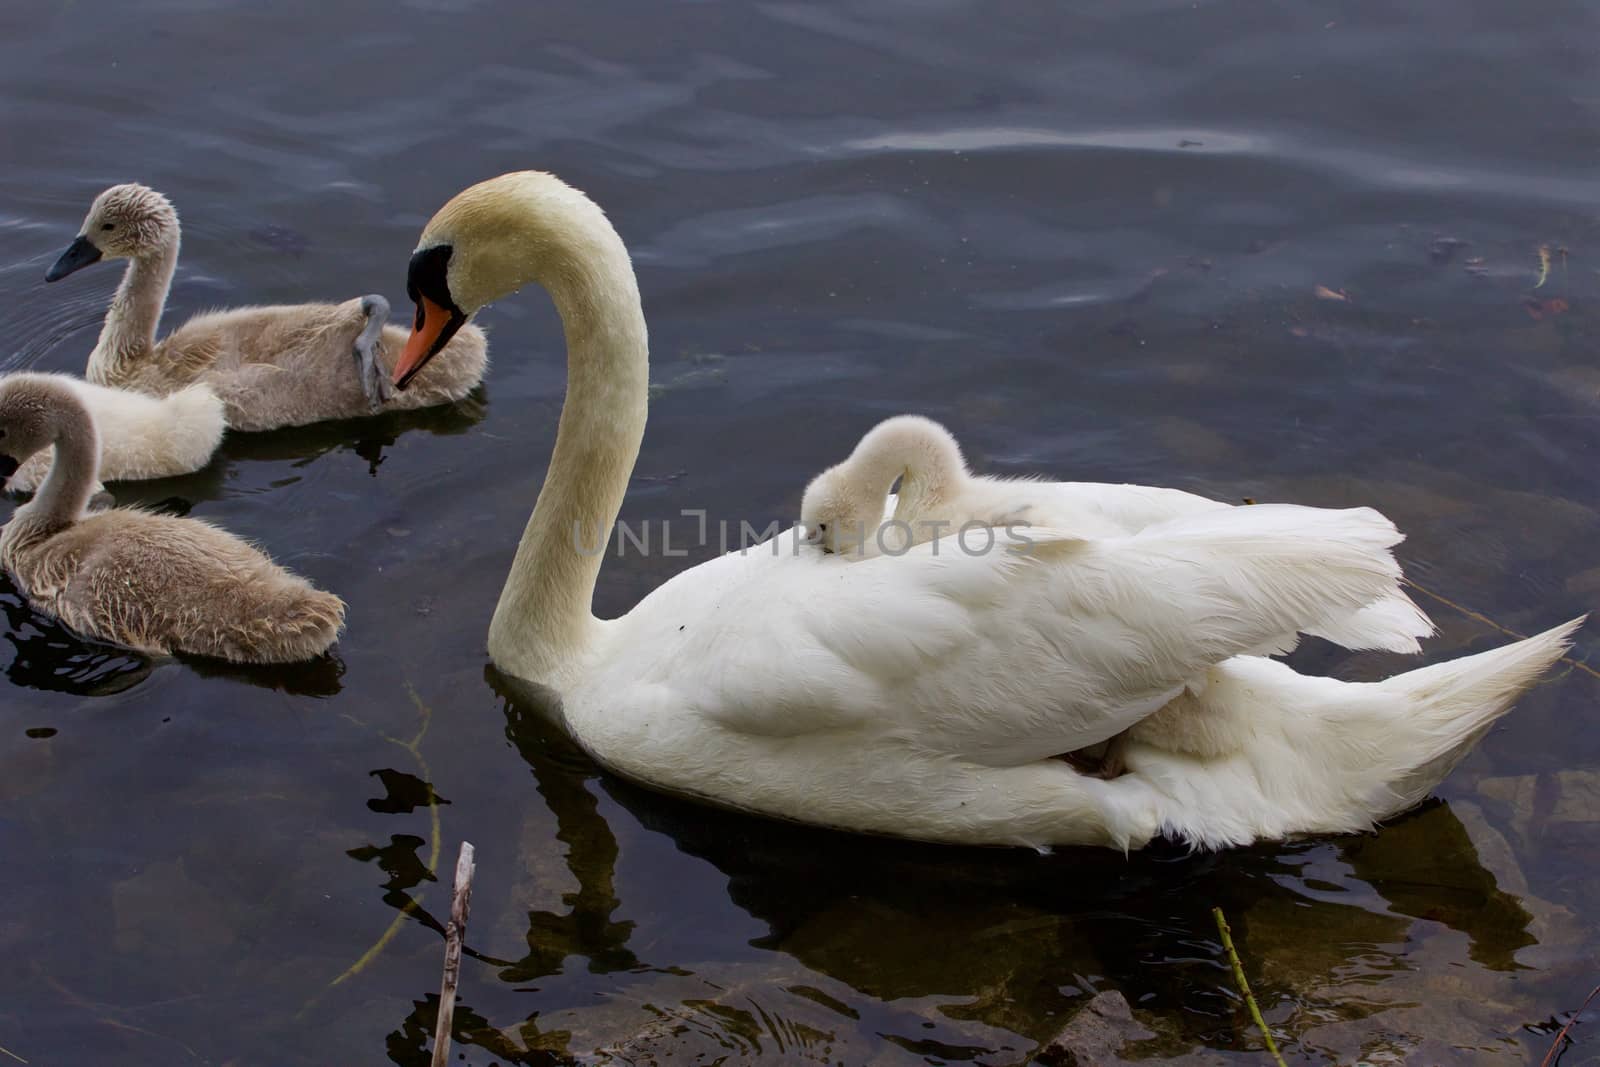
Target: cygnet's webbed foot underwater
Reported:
[(374, 379)]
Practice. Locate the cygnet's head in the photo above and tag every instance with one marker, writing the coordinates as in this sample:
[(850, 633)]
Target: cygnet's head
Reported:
[(493, 238), (841, 511), (124, 222), (843, 506), (30, 411)]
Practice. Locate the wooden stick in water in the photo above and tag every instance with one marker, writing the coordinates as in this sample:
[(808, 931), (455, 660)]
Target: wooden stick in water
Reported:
[(1554, 1054), (1244, 986), (454, 934)]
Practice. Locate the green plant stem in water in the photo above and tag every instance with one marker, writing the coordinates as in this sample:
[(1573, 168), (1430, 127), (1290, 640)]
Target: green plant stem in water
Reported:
[(413, 746), (1244, 986)]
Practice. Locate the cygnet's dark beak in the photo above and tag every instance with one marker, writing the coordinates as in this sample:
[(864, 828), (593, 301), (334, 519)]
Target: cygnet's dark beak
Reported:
[(818, 535), (8, 467), (79, 254)]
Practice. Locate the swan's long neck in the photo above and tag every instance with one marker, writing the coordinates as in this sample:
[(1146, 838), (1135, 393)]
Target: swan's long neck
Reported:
[(544, 622), (75, 470), (129, 333)]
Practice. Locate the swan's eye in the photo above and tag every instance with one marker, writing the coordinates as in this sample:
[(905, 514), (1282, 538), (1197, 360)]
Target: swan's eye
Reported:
[(109, 226)]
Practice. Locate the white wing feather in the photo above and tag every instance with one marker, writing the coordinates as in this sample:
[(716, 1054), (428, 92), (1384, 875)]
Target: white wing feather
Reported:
[(1043, 645)]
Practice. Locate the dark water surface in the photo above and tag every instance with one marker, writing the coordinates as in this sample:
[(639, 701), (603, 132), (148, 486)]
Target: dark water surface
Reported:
[(1090, 240)]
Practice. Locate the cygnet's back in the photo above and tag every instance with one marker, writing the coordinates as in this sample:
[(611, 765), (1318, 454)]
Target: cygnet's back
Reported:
[(161, 584), (141, 436)]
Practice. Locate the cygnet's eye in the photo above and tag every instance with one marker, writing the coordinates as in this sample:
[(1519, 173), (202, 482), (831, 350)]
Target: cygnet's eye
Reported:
[(109, 226)]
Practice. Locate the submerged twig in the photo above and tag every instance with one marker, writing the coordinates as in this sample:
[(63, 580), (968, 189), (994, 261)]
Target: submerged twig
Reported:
[(1479, 616), (13, 1055), (1555, 1046), (455, 933), (102, 1014), (1244, 986), (413, 746)]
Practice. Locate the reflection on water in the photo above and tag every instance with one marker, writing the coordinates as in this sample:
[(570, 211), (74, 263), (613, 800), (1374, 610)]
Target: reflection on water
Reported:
[(319, 677), (367, 438), (974, 955), (1278, 252), (46, 655)]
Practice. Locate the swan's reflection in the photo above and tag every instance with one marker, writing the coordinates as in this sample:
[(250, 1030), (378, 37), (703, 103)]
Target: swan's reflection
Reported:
[(586, 929), (941, 949)]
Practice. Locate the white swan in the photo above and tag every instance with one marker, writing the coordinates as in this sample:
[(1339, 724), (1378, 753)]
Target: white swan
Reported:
[(922, 696), (140, 436), (843, 509)]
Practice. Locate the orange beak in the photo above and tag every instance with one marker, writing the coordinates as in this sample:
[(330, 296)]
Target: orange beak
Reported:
[(432, 331)]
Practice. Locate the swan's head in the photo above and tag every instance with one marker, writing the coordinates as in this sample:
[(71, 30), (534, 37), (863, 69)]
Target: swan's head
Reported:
[(124, 222), (491, 240), (28, 417)]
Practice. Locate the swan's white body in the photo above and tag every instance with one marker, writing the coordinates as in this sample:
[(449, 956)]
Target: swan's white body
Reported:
[(844, 510), (140, 436), (1305, 754), (923, 696)]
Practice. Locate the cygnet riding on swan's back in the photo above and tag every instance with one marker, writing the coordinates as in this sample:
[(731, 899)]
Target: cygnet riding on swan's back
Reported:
[(843, 507), (843, 511), (154, 583), (924, 695), (273, 366)]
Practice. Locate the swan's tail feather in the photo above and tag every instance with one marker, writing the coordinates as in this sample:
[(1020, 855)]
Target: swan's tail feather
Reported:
[(1319, 756), (1453, 704)]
